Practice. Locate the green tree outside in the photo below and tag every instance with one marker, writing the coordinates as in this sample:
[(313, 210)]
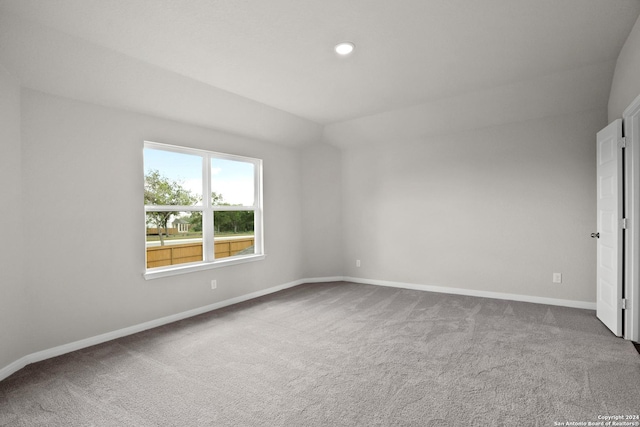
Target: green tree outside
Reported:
[(162, 191), (225, 221)]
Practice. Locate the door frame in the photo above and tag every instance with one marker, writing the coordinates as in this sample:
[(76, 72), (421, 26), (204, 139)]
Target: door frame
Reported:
[(631, 129)]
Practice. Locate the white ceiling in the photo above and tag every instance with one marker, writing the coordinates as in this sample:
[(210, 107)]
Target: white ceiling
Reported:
[(411, 56)]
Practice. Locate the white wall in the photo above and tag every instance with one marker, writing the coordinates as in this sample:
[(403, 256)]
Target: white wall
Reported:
[(498, 209), (84, 247), (625, 86), (321, 211), (14, 331)]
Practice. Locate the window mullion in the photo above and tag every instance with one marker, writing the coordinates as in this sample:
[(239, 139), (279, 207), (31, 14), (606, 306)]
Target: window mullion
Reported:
[(224, 208), (207, 213)]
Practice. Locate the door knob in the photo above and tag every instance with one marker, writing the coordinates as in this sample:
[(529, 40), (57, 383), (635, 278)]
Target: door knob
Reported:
[(595, 235)]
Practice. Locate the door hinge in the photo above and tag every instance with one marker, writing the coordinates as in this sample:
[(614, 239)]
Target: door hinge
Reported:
[(622, 142), (624, 304), (623, 223)]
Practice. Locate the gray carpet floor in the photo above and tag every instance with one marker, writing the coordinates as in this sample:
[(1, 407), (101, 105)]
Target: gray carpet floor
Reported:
[(341, 354)]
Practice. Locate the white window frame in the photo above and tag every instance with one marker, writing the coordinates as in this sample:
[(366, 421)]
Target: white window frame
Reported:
[(207, 209)]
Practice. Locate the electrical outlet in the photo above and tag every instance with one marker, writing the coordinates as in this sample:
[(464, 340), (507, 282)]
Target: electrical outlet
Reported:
[(214, 284), (557, 277), (357, 263)]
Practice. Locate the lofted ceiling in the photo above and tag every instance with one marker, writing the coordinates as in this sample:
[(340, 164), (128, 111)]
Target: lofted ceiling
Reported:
[(417, 65)]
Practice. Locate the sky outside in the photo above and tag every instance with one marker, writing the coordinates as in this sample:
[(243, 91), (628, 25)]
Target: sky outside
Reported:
[(232, 179)]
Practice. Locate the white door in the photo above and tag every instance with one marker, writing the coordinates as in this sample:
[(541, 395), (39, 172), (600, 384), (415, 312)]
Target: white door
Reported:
[(609, 232)]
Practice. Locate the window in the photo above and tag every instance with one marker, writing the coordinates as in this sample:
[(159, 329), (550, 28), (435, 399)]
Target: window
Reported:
[(202, 209)]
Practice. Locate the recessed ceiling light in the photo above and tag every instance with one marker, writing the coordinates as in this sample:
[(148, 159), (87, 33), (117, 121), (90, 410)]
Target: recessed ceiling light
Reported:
[(344, 48)]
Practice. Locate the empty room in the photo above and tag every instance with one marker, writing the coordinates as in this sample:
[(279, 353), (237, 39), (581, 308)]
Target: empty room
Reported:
[(320, 213)]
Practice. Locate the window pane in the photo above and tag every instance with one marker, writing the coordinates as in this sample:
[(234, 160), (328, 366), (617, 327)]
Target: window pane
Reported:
[(173, 238), (232, 182), (233, 233), (172, 178)]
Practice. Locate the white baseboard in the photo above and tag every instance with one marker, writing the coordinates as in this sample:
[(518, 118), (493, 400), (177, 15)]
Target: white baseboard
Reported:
[(99, 339), (324, 279), (475, 293)]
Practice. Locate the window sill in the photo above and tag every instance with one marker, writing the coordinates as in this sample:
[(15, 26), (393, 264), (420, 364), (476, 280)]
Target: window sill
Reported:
[(156, 273)]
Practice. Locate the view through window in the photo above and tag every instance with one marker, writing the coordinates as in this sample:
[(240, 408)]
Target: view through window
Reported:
[(201, 207)]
